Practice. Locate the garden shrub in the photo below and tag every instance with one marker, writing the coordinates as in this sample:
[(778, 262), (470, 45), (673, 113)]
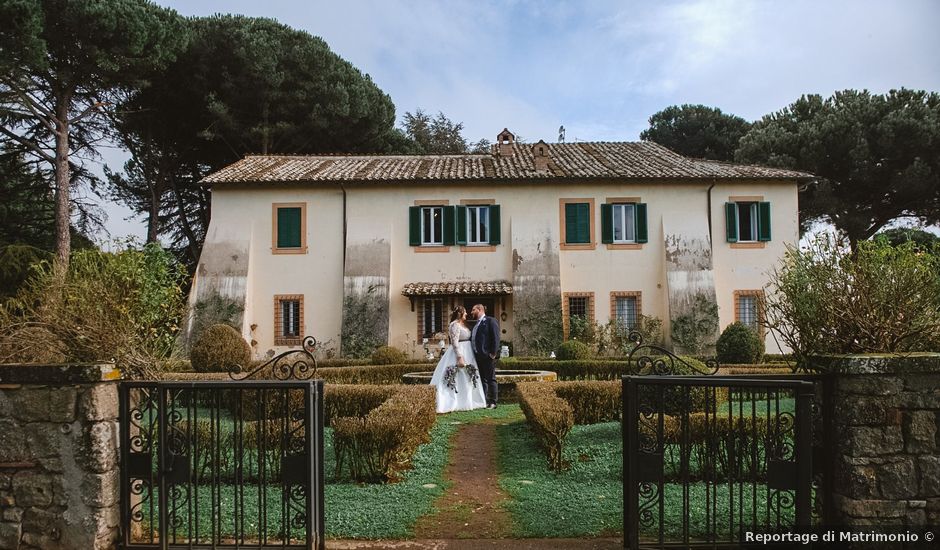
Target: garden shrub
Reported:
[(549, 416), (592, 402), (370, 374), (377, 446), (387, 355), (124, 306), (829, 299), (220, 348), (739, 343), (573, 350), (213, 309)]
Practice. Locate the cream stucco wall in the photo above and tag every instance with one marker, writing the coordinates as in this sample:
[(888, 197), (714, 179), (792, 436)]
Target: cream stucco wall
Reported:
[(378, 215)]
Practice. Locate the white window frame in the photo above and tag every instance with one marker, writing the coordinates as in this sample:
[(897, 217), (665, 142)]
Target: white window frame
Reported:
[(748, 303), (636, 313), (435, 239), (752, 206), (475, 214), (625, 214)]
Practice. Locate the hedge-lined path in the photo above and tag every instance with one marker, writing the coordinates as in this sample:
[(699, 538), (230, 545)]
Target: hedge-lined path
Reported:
[(472, 505)]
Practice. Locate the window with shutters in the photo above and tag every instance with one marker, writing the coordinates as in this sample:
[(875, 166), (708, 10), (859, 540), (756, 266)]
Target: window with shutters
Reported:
[(624, 218), (625, 308), (288, 319), (432, 225), (478, 225), (747, 309), (623, 223), (577, 224), (289, 228), (747, 220)]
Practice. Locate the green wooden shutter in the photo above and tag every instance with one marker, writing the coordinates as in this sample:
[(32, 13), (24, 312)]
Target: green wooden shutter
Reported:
[(414, 225), (571, 223), (577, 223), (450, 226), (763, 221), (494, 225), (288, 228), (461, 225), (607, 223), (731, 222), (642, 229)]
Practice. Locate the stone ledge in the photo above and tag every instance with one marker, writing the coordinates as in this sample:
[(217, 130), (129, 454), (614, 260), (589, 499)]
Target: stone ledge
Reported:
[(879, 363), (59, 374)]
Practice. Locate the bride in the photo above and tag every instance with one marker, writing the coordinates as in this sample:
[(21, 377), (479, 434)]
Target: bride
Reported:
[(456, 377)]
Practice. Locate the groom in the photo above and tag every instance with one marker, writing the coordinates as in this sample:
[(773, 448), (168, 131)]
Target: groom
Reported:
[(485, 342)]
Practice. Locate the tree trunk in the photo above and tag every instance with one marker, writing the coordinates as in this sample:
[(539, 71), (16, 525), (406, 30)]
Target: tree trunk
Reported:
[(63, 213), (153, 221)]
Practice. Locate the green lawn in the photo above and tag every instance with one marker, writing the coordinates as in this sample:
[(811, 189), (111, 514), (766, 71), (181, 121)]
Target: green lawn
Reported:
[(391, 510), (587, 499)]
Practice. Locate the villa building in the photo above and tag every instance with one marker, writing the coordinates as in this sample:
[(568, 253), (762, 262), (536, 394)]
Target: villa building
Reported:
[(377, 249)]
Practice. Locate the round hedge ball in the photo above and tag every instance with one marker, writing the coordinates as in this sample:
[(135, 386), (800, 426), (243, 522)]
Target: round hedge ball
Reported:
[(739, 343), (387, 355), (220, 348), (574, 350)]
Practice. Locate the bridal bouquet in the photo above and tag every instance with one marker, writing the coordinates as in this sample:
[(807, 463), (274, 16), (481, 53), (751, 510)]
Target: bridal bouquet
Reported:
[(450, 375)]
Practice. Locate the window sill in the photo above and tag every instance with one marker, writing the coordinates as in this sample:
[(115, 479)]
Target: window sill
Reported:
[(301, 250), (431, 248), (478, 248), (756, 244), (288, 341), (625, 246), (580, 246)]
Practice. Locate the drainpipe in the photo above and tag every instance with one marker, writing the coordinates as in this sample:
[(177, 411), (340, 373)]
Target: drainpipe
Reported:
[(343, 188), (711, 241)]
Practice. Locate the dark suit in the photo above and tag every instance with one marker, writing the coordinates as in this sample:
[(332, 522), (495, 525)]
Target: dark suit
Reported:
[(485, 342)]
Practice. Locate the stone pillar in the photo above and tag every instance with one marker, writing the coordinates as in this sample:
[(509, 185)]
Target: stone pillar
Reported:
[(59, 478), (886, 449)]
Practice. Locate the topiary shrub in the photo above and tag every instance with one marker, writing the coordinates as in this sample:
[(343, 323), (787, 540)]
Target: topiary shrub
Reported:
[(573, 350), (387, 355), (739, 343), (220, 348)]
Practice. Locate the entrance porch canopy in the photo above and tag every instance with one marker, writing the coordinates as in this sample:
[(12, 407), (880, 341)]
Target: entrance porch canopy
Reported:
[(456, 288)]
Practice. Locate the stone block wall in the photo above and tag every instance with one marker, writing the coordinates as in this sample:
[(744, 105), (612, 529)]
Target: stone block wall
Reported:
[(59, 482), (886, 423)]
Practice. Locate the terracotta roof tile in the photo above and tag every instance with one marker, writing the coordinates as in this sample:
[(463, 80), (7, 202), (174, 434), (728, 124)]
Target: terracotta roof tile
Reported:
[(567, 161), (459, 288)]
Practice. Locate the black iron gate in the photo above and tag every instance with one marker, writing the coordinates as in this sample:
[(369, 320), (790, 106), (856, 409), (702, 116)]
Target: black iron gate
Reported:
[(709, 459), (222, 464)]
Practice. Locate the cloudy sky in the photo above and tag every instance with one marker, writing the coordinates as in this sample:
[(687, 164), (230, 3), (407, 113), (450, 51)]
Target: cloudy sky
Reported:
[(601, 68)]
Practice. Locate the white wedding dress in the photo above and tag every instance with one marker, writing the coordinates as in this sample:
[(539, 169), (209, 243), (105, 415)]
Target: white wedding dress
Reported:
[(463, 396)]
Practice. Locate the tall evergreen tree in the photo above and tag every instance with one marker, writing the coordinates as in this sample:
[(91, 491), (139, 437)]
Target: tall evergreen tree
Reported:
[(877, 157), (697, 131), (61, 61), (252, 86)]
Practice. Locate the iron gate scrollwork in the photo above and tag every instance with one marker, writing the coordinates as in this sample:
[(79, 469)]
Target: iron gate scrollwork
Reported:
[(710, 458), (222, 464)]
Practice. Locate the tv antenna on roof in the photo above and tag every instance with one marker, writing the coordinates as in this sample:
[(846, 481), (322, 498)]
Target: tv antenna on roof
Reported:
[(561, 134)]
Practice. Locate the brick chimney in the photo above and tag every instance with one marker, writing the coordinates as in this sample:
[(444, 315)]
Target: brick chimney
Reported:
[(540, 154), (504, 143)]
